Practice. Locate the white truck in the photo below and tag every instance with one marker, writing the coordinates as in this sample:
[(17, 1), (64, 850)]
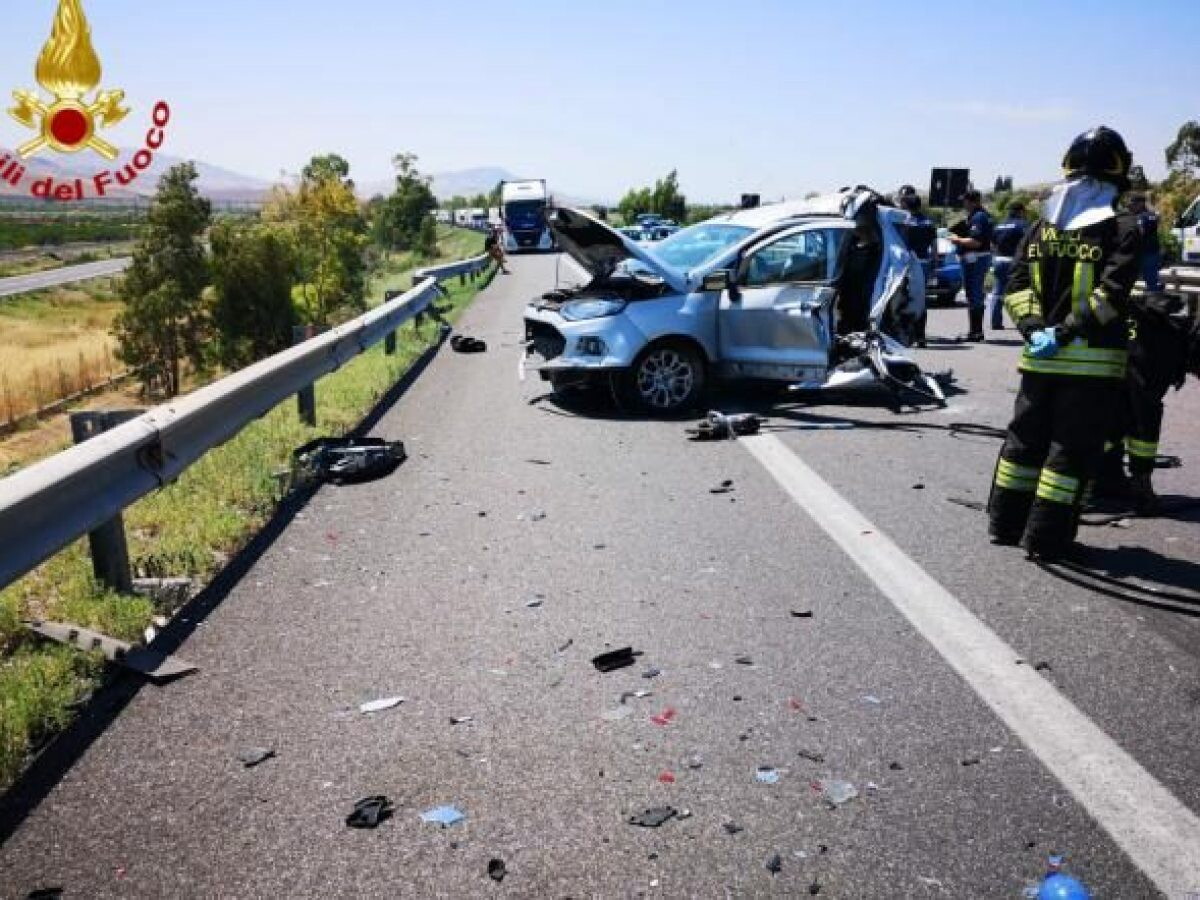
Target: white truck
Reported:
[(1187, 230), (523, 206)]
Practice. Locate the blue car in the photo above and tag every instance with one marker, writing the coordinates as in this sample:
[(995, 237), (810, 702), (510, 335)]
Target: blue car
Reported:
[(946, 279)]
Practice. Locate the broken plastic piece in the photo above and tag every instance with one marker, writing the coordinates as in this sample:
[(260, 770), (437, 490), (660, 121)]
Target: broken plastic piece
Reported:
[(718, 426), (463, 344), (664, 718), (614, 659), (1058, 886), (370, 811), (802, 614), (767, 775), (158, 667), (775, 864), (442, 815), (652, 673), (744, 661), (695, 761), (653, 818), (497, 870), (385, 703), (725, 487), (811, 756), (667, 777), (872, 699), (837, 792), (50, 893), (732, 827), (253, 756), (461, 720)]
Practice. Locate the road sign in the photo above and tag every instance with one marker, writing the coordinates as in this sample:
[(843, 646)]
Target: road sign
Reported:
[(947, 186)]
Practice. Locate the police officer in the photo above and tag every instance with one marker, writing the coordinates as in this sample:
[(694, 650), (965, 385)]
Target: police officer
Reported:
[(1007, 238), (1151, 257), (975, 252), (1069, 297), (920, 234)]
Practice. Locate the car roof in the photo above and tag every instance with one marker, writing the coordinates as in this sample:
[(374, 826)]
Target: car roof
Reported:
[(761, 216)]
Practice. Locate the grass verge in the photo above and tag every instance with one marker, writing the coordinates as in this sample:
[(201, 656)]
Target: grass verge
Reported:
[(190, 528)]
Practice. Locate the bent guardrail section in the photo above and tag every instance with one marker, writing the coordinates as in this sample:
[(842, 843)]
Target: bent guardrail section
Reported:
[(50, 504)]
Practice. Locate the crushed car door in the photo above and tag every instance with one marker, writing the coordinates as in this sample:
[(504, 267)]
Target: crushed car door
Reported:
[(778, 319)]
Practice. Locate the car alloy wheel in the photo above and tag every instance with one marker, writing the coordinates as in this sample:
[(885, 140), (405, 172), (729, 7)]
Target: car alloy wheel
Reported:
[(667, 378)]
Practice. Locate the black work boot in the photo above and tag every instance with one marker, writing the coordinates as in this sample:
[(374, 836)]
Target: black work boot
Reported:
[(975, 316), (1141, 491)]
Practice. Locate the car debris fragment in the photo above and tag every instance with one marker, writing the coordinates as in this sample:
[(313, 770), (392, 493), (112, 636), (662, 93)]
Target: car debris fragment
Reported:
[(732, 828), (654, 817), (664, 718), (461, 720), (381, 705), (837, 792), (775, 864), (717, 426), (443, 815), (369, 812), (614, 659), (767, 775), (253, 756), (725, 487), (652, 672), (497, 870), (802, 614), (462, 344), (811, 756), (158, 667)]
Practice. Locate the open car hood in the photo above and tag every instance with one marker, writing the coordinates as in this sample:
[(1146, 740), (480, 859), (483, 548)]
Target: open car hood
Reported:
[(600, 249)]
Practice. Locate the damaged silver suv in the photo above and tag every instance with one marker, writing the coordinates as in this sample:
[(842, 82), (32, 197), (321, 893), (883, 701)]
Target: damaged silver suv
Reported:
[(748, 295)]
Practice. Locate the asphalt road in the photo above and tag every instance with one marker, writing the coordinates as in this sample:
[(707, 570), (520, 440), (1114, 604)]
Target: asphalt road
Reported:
[(525, 536), (23, 284)]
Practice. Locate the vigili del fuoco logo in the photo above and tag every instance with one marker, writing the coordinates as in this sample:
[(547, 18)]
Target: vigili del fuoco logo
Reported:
[(72, 119)]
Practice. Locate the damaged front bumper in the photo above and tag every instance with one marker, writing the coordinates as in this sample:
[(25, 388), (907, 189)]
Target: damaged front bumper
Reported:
[(560, 349)]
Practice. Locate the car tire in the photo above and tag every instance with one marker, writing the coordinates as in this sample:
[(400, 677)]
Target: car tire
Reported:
[(667, 378)]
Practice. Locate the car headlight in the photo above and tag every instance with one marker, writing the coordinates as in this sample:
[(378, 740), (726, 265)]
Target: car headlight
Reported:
[(580, 310)]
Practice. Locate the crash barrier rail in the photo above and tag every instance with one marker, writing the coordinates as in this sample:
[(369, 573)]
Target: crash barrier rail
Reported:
[(84, 489)]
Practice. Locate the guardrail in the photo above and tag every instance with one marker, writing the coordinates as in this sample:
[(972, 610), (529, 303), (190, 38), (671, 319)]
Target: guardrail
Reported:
[(50, 504)]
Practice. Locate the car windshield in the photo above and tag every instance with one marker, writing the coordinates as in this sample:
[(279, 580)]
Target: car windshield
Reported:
[(691, 247)]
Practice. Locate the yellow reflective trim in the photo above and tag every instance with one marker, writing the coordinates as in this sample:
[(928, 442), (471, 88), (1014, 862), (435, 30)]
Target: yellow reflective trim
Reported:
[(1145, 449), (1021, 304), (1035, 277), (1019, 486), (1055, 479), (1072, 367), (1054, 495), (1104, 311), (1018, 471), (1081, 288)]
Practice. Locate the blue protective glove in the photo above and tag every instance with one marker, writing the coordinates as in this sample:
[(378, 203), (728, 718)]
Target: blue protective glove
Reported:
[(1043, 344)]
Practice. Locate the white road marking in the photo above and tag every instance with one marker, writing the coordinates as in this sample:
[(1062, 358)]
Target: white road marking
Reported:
[(1160, 834)]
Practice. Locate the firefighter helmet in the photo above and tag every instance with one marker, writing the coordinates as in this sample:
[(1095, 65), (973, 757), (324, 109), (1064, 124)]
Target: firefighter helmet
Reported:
[(1101, 154)]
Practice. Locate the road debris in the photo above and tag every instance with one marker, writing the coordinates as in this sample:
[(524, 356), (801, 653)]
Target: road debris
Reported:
[(635, 695), (767, 775), (694, 761), (732, 827), (652, 673), (539, 462), (725, 487), (837, 792), (443, 815), (969, 504), (50, 893), (664, 718), (811, 756), (775, 864), (744, 661), (895, 767), (253, 756), (370, 812), (666, 777), (567, 646), (381, 705), (157, 666), (497, 870), (918, 487), (654, 817), (718, 426), (614, 659), (347, 460), (535, 603), (972, 761), (802, 614), (462, 344), (872, 699), (1043, 667), (461, 720)]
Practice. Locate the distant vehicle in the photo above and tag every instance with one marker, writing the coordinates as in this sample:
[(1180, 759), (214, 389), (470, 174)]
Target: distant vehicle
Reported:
[(649, 220), (1187, 230), (947, 278), (748, 295), (523, 206), (633, 233)]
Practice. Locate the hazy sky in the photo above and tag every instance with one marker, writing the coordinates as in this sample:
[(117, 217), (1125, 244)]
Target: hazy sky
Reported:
[(775, 96)]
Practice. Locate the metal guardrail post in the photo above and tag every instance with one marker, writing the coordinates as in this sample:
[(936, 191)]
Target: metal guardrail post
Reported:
[(109, 548), (389, 342), (306, 400)]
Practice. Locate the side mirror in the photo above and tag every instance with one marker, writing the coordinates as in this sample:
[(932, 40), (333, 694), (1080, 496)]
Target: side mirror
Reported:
[(718, 280)]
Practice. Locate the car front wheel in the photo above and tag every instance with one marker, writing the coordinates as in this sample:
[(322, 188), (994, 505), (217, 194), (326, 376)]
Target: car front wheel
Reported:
[(666, 378)]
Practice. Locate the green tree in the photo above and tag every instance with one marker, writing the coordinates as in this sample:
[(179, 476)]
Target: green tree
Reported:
[(664, 199), (164, 321), (1184, 153), (328, 234), (254, 270), (401, 220)]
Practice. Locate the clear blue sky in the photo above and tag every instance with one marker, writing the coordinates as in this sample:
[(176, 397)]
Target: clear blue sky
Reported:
[(778, 96)]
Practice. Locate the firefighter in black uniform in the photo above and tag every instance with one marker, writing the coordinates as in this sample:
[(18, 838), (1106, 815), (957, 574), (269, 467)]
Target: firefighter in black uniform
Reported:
[(1068, 296), (1159, 350)]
